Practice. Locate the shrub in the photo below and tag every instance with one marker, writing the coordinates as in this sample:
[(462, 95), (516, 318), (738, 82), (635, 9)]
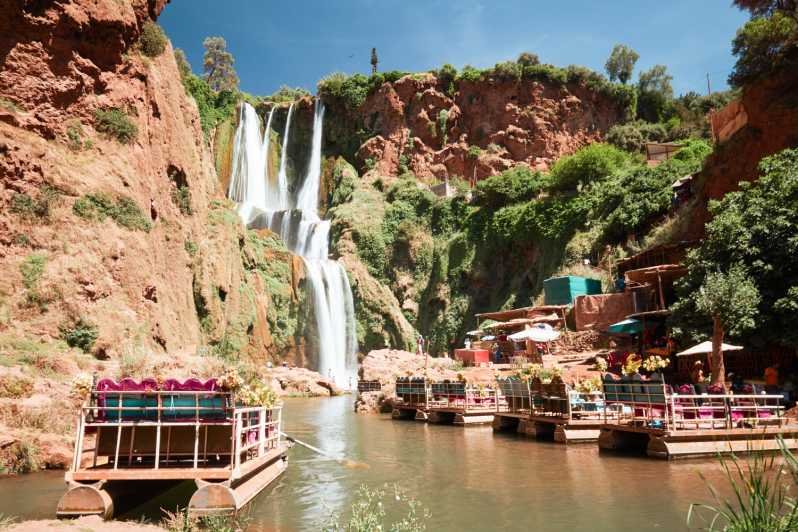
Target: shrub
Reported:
[(32, 269), (74, 134), (116, 124), (370, 512), (591, 163), (81, 334), (213, 107), (191, 247), (20, 458), (152, 40), (15, 387), (507, 71), (38, 209), (545, 74), (527, 59), (516, 185), (287, 94), (181, 197), (123, 210), (352, 90), (634, 135), (474, 152), (469, 73)]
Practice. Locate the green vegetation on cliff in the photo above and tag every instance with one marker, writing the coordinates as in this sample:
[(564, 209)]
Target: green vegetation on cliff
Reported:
[(754, 232), (446, 258)]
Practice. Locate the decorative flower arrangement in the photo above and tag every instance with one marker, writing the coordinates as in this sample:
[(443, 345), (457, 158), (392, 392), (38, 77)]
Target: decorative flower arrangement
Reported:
[(529, 372), (256, 393), (81, 387), (655, 362), (632, 364), (590, 385), (547, 375), (601, 364), (230, 380)]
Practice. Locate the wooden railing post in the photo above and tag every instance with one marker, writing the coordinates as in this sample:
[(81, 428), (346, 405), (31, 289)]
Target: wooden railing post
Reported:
[(262, 431)]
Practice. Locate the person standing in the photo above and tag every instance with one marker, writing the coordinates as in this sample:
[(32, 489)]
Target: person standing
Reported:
[(772, 378)]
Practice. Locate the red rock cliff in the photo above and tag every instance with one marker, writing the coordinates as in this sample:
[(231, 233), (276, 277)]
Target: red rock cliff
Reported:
[(171, 288), (480, 129)]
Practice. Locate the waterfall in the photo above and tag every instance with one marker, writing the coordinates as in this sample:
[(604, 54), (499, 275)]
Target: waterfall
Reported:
[(264, 203)]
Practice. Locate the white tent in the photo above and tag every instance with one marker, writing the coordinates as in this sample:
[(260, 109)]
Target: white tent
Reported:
[(542, 332), (706, 347)]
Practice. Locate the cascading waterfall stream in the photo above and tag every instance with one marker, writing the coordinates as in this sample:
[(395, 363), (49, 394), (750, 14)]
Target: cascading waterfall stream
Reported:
[(266, 203)]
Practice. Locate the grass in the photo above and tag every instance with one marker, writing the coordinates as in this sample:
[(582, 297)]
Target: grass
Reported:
[(19, 458), (370, 512), (122, 210), (764, 496), (181, 521), (116, 124)]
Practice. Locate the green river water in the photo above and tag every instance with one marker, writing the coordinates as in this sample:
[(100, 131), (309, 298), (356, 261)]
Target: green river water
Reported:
[(469, 478)]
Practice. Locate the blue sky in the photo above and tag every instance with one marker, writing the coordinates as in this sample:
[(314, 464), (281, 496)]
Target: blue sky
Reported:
[(297, 42)]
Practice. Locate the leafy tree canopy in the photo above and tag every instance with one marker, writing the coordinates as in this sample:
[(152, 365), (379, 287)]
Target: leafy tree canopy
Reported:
[(528, 59), (218, 65), (621, 63), (754, 230)]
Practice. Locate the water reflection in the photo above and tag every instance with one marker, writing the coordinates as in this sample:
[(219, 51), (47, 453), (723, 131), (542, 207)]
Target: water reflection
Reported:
[(470, 478)]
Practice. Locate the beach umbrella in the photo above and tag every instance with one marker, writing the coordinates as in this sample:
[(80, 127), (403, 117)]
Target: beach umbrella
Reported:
[(705, 348), (627, 326), (543, 333)]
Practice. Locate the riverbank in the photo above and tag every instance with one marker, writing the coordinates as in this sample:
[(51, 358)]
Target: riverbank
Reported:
[(83, 524)]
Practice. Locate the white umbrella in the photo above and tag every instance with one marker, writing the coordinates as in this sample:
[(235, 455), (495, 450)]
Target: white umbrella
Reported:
[(540, 333), (706, 347)]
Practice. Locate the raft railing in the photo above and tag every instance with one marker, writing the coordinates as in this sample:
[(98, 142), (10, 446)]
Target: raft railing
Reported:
[(548, 400), (656, 405), (170, 432), (412, 392), (461, 396)]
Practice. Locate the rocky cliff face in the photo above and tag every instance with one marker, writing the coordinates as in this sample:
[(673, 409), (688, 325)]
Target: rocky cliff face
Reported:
[(771, 107), (174, 269), (470, 129)]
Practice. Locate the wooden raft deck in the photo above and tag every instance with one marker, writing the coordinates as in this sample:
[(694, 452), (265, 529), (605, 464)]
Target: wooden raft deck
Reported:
[(140, 437)]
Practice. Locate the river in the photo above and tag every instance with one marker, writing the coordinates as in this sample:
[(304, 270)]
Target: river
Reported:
[(469, 478)]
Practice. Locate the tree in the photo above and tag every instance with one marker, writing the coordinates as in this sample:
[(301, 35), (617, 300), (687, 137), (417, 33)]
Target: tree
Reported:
[(621, 63), (731, 300), (528, 59), (183, 66), (654, 94), (763, 45), (755, 228), (764, 8), (218, 65), (374, 61)]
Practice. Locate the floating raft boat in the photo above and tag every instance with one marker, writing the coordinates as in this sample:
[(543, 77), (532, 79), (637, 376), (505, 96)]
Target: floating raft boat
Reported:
[(132, 436)]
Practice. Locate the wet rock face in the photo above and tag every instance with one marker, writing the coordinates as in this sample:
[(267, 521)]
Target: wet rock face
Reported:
[(477, 130)]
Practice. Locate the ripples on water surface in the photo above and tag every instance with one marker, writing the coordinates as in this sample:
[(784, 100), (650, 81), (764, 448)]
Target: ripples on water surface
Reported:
[(469, 478)]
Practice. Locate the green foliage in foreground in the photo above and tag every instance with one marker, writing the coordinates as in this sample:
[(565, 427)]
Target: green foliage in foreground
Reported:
[(755, 229), (116, 124), (764, 496), (122, 209), (372, 510)]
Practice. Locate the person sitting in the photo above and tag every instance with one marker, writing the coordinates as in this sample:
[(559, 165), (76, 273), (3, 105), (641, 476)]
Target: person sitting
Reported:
[(697, 376), (772, 378)]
